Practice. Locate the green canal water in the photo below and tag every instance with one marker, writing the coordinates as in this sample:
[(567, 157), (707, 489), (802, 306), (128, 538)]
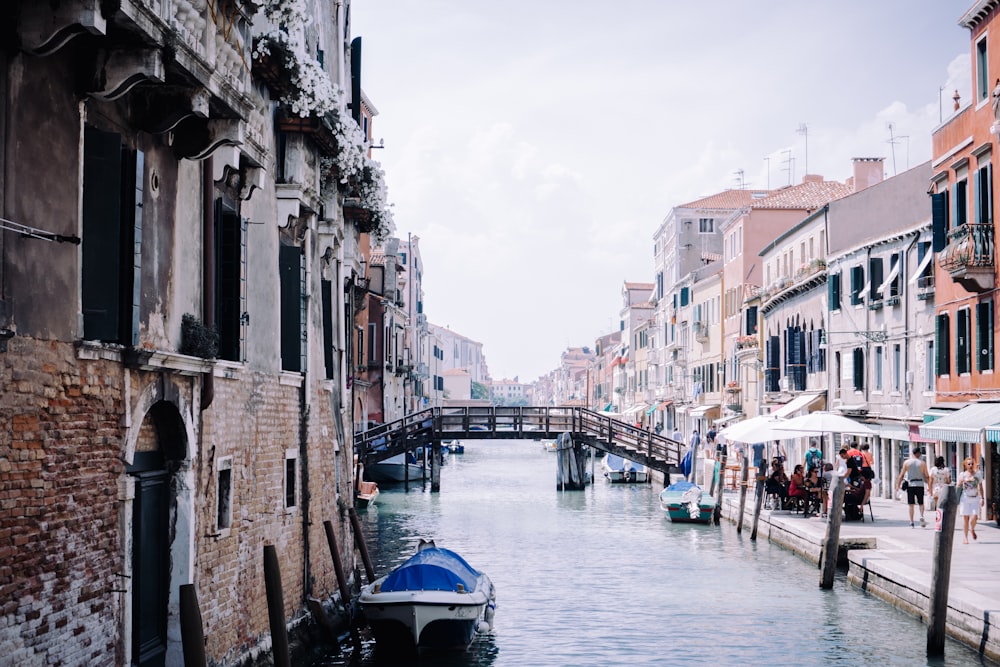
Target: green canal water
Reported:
[(602, 577)]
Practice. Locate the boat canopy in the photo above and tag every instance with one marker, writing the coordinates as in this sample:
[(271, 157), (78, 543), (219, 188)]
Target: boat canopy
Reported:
[(432, 569)]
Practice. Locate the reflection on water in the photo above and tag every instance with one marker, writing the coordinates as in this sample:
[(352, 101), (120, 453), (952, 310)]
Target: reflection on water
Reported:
[(601, 577)]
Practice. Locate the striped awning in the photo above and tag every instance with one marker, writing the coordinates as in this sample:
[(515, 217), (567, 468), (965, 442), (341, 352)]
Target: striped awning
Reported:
[(965, 425), (702, 409), (993, 432), (800, 402)]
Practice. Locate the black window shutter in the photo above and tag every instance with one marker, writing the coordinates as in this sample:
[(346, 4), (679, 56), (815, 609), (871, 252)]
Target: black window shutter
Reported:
[(102, 235), (962, 341), (133, 201), (859, 369), (751, 323), (939, 215), (289, 271), (875, 275), (327, 290), (228, 280)]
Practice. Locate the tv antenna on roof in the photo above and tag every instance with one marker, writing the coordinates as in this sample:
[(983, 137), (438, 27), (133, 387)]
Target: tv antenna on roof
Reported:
[(790, 164), (804, 131), (740, 179), (892, 141)]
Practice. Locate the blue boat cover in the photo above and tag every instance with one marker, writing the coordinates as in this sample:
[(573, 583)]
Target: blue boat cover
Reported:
[(679, 487), (432, 569), (616, 462)]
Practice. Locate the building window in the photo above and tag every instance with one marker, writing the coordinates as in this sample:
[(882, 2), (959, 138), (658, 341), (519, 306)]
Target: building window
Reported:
[(706, 225), (982, 71), (984, 336), (961, 202), (291, 271), (984, 194), (897, 367), (857, 284), (878, 368), (943, 344), (291, 477), (834, 290), (224, 494), (963, 341), (113, 182), (230, 280), (929, 370), (875, 279), (859, 368)]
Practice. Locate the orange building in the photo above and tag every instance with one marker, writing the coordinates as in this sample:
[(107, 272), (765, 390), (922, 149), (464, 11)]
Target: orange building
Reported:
[(967, 385)]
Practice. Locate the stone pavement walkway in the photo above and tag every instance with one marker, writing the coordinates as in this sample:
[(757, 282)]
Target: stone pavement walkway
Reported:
[(890, 559)]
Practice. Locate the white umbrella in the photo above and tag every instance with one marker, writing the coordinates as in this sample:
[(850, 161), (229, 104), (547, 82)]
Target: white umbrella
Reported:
[(822, 422), (755, 429)]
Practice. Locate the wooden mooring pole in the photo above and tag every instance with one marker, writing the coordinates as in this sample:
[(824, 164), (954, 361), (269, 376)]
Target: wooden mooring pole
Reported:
[(345, 592), (831, 545), (435, 466), (758, 501), (276, 607), (944, 539), (744, 477), (192, 630), (359, 542), (720, 486)]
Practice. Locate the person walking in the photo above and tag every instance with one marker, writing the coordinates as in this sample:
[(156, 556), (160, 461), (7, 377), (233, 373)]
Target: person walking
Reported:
[(972, 498), (916, 475), (940, 478)]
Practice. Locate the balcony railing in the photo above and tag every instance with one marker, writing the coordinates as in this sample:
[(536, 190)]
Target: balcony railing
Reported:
[(968, 257)]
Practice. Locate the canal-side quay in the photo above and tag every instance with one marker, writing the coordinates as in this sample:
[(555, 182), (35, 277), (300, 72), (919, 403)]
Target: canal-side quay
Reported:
[(892, 561)]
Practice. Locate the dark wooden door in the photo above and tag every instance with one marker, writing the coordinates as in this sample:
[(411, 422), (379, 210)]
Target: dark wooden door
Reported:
[(150, 567)]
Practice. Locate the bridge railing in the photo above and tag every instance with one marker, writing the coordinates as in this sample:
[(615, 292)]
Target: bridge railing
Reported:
[(616, 432)]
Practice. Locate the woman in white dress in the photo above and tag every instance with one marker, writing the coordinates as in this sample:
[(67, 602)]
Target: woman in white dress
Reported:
[(973, 498)]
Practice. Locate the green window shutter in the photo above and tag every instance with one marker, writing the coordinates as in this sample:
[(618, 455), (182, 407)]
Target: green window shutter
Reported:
[(684, 296), (962, 341), (939, 217), (138, 183), (875, 275), (984, 336), (859, 369), (101, 288), (943, 343)]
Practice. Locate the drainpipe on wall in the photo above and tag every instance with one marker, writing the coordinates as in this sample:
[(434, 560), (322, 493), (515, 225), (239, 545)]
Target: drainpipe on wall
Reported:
[(208, 268)]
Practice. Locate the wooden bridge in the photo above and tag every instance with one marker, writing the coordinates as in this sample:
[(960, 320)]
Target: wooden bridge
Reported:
[(429, 427)]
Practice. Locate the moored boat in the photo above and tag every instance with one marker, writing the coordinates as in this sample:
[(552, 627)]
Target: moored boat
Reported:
[(367, 493), (399, 468), (434, 600), (685, 502), (619, 470)]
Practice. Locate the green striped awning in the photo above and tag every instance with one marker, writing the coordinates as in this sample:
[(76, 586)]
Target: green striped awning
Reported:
[(965, 425)]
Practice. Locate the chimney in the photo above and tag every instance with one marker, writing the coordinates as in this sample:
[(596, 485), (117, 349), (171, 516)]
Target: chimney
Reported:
[(868, 171)]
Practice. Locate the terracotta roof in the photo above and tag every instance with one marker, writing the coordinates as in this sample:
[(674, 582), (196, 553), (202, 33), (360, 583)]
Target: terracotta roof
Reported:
[(809, 195), (727, 199)]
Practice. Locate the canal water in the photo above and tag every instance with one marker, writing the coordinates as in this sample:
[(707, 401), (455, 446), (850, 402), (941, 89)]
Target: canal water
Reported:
[(602, 577)]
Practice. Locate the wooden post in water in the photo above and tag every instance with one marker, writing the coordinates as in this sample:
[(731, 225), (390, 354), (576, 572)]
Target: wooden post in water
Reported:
[(276, 607), (345, 592), (192, 632), (944, 539), (435, 465), (744, 478), (831, 546), (756, 507), (359, 542), (720, 483)]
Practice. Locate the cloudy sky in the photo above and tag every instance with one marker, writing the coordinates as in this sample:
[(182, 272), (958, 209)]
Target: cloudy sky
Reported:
[(534, 146)]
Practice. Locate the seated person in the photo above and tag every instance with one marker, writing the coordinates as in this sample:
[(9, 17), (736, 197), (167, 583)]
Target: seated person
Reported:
[(827, 480), (796, 487), (813, 484), (777, 482)]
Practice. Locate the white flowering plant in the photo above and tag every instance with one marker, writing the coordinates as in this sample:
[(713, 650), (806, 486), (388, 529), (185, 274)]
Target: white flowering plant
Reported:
[(311, 93)]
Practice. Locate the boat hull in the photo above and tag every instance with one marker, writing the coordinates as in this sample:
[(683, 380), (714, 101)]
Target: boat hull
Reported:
[(388, 473), (676, 499), (618, 470), (434, 600)]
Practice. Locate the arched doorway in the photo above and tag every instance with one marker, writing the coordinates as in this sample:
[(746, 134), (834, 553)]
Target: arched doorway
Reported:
[(160, 445)]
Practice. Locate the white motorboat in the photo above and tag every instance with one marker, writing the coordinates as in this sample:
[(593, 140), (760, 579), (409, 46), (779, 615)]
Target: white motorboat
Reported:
[(620, 470), (434, 600)]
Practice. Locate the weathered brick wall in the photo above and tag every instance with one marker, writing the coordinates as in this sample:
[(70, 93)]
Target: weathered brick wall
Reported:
[(254, 419), (59, 514)]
